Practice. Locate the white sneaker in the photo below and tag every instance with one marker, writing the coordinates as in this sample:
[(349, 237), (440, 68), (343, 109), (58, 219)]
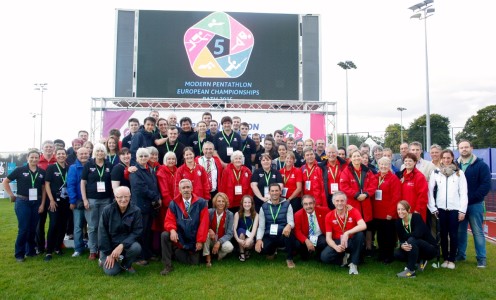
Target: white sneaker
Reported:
[(345, 260), (451, 265), (353, 269), (76, 254), (444, 264)]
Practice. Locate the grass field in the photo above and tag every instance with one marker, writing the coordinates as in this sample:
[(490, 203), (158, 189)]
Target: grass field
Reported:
[(66, 277)]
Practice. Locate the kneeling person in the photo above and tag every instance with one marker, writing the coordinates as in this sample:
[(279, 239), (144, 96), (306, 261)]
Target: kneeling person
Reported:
[(275, 224), (221, 229), (120, 227), (344, 234), (186, 228), (310, 227)]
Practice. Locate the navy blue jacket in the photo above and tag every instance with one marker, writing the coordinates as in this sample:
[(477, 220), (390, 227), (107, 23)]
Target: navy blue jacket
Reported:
[(140, 139), (144, 189), (478, 180)]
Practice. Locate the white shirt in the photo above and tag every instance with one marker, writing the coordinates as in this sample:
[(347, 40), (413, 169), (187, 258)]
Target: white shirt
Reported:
[(213, 170)]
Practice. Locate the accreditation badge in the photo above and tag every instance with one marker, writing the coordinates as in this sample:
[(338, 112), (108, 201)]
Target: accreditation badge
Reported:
[(33, 194), (378, 194), (273, 229), (229, 151), (313, 239), (238, 190), (248, 233), (308, 185), (334, 187), (284, 192), (100, 187), (266, 191)]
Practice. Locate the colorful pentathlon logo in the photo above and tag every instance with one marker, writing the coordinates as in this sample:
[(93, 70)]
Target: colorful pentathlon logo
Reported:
[(218, 46), (292, 131)]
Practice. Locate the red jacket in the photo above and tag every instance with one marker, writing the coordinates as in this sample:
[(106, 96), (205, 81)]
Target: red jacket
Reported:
[(391, 195), (290, 179), (198, 176), (43, 163), (334, 174), (301, 222), (314, 175), (170, 222), (218, 165), (229, 181), (166, 184), (350, 186), (414, 189)]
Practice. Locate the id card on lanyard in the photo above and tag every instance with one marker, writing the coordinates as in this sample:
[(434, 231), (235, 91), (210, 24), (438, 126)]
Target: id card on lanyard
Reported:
[(33, 192), (100, 185)]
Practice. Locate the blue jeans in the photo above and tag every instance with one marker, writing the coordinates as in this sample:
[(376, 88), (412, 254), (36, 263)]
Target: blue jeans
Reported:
[(78, 229), (93, 217), (130, 255), (27, 219), (474, 215)]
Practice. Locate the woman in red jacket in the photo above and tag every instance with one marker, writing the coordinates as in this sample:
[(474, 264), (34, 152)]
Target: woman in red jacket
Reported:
[(359, 184), (166, 185), (384, 205), (235, 181), (194, 172), (292, 179), (414, 188)]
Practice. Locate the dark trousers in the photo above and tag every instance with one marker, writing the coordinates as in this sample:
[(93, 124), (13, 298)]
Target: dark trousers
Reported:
[(184, 256), (57, 226), (40, 229), (386, 238), (448, 221), (146, 236), (296, 204), (420, 250), (355, 246), (303, 250), (27, 219), (272, 242), (130, 254)]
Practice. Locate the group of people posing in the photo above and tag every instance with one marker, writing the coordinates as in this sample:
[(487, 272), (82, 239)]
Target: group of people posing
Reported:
[(194, 195)]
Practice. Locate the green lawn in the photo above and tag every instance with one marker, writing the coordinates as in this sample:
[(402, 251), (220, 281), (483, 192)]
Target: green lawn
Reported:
[(66, 277)]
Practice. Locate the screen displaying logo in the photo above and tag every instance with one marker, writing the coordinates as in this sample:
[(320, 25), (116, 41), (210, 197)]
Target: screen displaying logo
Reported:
[(218, 46), (292, 131)]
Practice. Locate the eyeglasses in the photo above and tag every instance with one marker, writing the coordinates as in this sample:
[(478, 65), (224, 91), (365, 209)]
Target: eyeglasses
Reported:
[(123, 197), (142, 156)]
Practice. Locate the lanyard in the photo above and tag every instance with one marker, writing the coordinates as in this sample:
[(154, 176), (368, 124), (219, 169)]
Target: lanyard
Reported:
[(200, 145), (274, 218), (342, 224), (408, 228), (279, 163), (381, 181), (63, 176), (33, 179), (191, 170), (152, 169), (311, 171), (237, 175), (173, 150), (244, 146), (218, 222), (110, 158), (359, 176), (161, 136), (100, 173), (286, 178), (267, 178), (249, 229), (334, 174), (228, 141)]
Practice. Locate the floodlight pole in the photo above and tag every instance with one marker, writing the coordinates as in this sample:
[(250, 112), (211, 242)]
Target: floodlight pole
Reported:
[(346, 66), (401, 109), (42, 88)]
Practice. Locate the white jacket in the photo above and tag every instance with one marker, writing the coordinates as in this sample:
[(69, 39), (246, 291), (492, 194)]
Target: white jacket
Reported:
[(451, 192)]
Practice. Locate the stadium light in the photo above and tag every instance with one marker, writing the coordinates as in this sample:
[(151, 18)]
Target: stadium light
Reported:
[(401, 109), (42, 88), (346, 66)]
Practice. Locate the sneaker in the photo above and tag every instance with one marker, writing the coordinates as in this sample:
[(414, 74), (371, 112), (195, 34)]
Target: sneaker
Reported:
[(406, 274), (481, 263), (166, 270), (48, 257), (290, 264), (345, 260), (460, 258), (100, 262), (20, 259), (92, 256), (131, 270), (270, 257), (59, 252), (444, 264), (451, 265), (142, 262), (39, 250), (353, 269), (423, 264), (76, 254)]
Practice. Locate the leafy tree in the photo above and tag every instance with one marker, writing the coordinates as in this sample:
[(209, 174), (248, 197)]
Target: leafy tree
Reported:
[(392, 137), (354, 139), (440, 133), (480, 129)]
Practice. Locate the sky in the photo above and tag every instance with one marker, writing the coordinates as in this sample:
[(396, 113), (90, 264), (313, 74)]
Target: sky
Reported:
[(71, 47)]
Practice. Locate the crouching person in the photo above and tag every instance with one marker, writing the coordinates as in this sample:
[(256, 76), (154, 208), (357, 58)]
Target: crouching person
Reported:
[(344, 234), (119, 228), (221, 229)]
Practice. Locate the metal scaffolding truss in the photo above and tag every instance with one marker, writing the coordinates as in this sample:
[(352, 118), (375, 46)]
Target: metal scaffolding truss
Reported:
[(100, 104)]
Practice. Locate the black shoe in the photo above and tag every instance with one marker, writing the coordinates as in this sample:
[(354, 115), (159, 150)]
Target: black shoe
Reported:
[(48, 257)]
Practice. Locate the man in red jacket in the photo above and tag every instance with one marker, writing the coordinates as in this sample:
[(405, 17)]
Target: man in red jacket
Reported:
[(310, 228), (186, 228), (313, 181)]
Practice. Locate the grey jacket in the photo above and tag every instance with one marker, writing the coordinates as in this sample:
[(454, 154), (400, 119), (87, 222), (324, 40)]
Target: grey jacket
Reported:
[(229, 225)]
